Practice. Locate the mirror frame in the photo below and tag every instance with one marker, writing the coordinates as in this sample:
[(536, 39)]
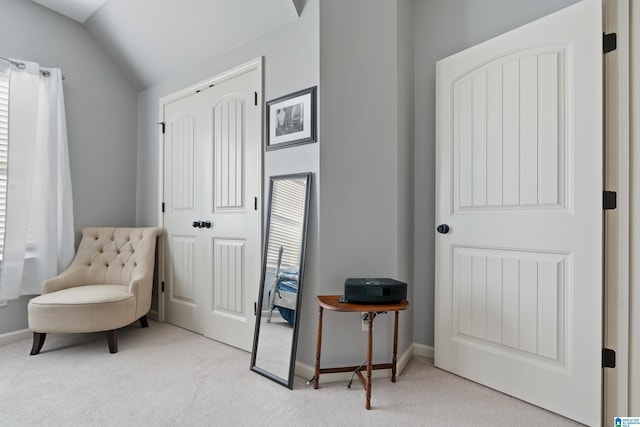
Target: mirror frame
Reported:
[(288, 382)]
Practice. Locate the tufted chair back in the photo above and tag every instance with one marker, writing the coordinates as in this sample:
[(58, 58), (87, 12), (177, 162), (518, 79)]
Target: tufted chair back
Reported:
[(114, 256)]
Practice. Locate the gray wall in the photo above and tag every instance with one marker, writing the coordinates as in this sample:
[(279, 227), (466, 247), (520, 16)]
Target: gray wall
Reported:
[(365, 162), (406, 139), (101, 119), (443, 28)]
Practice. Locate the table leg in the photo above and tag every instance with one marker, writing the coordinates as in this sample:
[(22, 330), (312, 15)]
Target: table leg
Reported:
[(395, 349), (369, 357), (316, 383)]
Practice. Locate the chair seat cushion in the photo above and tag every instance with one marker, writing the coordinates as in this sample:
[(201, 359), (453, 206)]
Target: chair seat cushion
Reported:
[(90, 308)]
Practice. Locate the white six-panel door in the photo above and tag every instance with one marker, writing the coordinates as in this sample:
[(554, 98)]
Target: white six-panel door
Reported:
[(519, 183), (212, 172)]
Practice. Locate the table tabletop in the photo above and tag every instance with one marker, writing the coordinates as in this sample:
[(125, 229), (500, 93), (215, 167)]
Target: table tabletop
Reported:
[(330, 302)]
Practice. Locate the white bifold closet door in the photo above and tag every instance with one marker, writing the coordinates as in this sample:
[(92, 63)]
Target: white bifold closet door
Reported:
[(212, 188)]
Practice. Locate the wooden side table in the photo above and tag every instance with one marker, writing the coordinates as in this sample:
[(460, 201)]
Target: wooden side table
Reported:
[(330, 302)]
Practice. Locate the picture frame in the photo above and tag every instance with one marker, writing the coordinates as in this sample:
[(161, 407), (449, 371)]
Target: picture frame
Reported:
[(291, 119)]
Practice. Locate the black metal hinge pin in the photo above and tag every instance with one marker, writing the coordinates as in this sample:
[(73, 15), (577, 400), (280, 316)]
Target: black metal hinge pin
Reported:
[(608, 358), (609, 42), (609, 200)]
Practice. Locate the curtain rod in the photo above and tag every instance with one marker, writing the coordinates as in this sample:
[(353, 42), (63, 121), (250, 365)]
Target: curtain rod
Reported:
[(22, 66)]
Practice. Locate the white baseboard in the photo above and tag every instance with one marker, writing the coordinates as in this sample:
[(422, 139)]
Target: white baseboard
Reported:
[(423, 350), (11, 337), (305, 371)]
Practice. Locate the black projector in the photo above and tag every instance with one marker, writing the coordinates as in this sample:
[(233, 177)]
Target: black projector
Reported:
[(374, 291)]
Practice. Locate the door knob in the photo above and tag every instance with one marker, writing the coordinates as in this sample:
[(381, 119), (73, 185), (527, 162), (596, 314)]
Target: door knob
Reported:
[(201, 224), (443, 229)]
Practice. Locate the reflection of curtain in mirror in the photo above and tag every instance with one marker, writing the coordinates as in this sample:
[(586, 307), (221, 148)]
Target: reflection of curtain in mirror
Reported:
[(38, 238), (287, 218)]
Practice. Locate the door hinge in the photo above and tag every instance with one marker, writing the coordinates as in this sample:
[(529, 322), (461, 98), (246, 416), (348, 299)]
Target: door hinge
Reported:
[(162, 206), (162, 124), (609, 200), (162, 288), (255, 308), (255, 98), (608, 358), (255, 203), (609, 42)]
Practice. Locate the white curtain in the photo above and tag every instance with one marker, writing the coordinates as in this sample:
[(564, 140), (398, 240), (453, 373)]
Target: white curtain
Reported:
[(39, 235)]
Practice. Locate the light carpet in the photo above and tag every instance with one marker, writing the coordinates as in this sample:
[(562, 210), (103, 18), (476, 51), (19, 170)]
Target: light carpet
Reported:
[(167, 376)]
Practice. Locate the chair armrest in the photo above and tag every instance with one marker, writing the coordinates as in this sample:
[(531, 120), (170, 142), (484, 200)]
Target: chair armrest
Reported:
[(134, 285), (67, 279), (141, 288)]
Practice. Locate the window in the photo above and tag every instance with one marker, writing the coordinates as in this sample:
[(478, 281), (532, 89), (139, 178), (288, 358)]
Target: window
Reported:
[(4, 138)]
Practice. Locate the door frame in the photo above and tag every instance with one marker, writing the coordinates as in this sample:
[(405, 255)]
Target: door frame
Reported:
[(617, 223), (634, 281), (256, 64)]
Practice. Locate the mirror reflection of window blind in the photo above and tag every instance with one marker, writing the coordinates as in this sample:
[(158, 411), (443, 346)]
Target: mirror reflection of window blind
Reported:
[(287, 218), (4, 140)]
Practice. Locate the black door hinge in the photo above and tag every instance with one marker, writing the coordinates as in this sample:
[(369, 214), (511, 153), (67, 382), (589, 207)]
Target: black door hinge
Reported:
[(255, 203), (608, 358), (162, 124), (609, 42), (162, 206), (609, 200), (255, 98), (162, 287), (255, 308)]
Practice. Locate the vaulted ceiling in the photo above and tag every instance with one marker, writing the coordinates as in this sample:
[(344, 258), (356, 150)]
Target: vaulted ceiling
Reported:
[(153, 39)]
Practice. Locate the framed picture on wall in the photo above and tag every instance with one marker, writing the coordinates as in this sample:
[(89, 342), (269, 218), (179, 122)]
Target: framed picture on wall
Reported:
[(291, 119)]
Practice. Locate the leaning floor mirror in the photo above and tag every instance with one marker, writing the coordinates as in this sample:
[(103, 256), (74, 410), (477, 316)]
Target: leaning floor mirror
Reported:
[(278, 311)]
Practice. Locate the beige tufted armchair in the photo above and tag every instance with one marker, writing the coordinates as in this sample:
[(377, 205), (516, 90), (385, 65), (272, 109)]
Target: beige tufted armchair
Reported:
[(107, 286)]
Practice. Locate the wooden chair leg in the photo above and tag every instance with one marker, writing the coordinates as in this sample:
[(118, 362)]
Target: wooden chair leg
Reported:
[(38, 342), (112, 339), (143, 321)]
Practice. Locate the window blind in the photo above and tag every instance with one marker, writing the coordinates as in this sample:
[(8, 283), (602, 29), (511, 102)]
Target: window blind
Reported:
[(4, 149), (287, 218)]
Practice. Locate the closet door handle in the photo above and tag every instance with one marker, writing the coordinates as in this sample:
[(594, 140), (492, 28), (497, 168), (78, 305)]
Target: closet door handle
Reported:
[(201, 224), (443, 229)]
